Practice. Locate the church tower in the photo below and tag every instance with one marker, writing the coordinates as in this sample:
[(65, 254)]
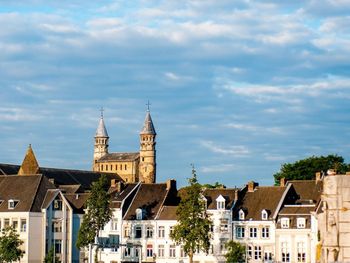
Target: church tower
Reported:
[(101, 142), (147, 168)]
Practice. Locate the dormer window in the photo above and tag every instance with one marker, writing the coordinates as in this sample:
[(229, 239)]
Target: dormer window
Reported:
[(220, 202), (264, 214), (139, 214), (241, 214), (301, 222), (12, 203), (285, 222)]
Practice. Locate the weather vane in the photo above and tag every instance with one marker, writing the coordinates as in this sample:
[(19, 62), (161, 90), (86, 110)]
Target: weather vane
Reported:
[(148, 104)]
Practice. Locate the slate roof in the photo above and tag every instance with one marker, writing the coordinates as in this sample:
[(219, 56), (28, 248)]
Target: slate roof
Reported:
[(150, 198), (263, 197), (112, 157), (148, 127), (308, 190), (30, 192), (101, 129), (77, 201), (64, 177), (212, 194), (168, 213)]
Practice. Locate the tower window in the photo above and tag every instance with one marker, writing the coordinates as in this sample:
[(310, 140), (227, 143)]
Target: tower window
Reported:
[(111, 167), (106, 167), (101, 167), (125, 166), (143, 159), (116, 166), (121, 167)]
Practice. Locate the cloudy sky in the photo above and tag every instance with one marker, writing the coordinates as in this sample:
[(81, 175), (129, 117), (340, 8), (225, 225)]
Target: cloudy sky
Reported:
[(236, 87)]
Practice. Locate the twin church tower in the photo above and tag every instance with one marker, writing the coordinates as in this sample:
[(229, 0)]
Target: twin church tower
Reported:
[(131, 166)]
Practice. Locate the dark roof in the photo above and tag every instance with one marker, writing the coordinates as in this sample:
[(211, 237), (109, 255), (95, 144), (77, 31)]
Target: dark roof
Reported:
[(30, 192), (64, 176), (168, 213), (77, 201), (112, 157), (263, 197), (297, 209), (212, 194), (148, 127), (50, 195), (308, 190), (149, 197)]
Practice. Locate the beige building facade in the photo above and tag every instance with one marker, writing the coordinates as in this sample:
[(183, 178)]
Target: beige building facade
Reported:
[(131, 166)]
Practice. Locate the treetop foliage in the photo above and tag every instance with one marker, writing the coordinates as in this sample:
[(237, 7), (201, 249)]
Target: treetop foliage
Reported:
[(235, 252), (305, 169), (9, 245)]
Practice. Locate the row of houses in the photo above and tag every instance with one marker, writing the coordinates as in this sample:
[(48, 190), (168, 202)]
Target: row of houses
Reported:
[(297, 221)]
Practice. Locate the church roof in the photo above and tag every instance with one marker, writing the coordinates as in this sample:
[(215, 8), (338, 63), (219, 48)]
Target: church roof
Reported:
[(148, 127), (110, 157), (101, 129), (30, 164)]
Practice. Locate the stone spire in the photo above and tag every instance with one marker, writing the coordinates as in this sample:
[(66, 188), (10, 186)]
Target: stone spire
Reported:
[(101, 142), (29, 165), (101, 129), (148, 127)]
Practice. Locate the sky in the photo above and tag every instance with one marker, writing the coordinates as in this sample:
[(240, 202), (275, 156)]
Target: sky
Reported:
[(236, 87)]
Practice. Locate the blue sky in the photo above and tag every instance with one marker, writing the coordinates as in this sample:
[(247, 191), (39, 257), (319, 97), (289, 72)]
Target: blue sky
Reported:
[(236, 87)]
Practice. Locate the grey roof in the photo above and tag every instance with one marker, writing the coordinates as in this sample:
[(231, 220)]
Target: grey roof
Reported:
[(148, 127), (101, 129), (111, 157)]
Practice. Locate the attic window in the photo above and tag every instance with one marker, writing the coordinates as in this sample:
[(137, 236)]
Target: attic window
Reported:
[(220, 203), (301, 222), (138, 214), (12, 203), (241, 214), (264, 215), (285, 222)]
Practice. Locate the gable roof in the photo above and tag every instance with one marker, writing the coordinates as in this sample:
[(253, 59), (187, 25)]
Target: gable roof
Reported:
[(30, 192), (263, 197), (113, 157), (168, 213), (309, 191), (150, 198)]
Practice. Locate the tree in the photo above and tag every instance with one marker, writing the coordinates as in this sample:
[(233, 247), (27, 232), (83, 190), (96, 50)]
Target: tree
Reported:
[(98, 213), (305, 169), (192, 230), (50, 257), (214, 186), (235, 253), (9, 245)]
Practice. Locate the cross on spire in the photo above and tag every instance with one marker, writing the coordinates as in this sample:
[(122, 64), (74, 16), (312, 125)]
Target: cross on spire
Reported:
[(148, 104), (102, 110)]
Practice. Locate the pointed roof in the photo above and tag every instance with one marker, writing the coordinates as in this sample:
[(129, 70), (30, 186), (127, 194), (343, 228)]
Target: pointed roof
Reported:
[(148, 127), (29, 165), (101, 129)]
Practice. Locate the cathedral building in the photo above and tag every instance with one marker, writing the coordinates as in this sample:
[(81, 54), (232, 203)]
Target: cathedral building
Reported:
[(131, 166)]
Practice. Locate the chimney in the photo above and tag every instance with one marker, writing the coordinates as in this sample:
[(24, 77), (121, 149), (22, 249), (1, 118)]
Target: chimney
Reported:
[(236, 195), (318, 176), (251, 186), (113, 183), (283, 182), (171, 184)]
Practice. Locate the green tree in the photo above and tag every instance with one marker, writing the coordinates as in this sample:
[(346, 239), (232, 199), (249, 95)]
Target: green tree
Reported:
[(235, 252), (305, 169), (9, 245), (214, 186), (98, 213), (50, 257), (192, 230)]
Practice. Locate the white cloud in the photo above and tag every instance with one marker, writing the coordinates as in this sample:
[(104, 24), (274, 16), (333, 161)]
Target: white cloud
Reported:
[(220, 168), (234, 150)]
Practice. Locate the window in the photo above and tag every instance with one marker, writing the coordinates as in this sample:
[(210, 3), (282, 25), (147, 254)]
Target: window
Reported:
[(264, 215), (57, 226), (116, 167), (253, 232), (161, 251), (301, 222), (138, 232), (6, 222), (23, 225), (106, 167), (265, 232), (224, 225), (241, 215), (57, 204), (121, 167), (149, 252), (172, 251), (220, 202), (15, 224), (257, 253), (58, 245), (101, 167), (301, 252), (138, 214), (267, 256), (285, 223), (285, 252), (149, 231), (250, 251), (182, 252), (12, 204), (127, 252), (171, 230), (239, 232), (126, 231), (114, 224), (125, 166), (161, 232)]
